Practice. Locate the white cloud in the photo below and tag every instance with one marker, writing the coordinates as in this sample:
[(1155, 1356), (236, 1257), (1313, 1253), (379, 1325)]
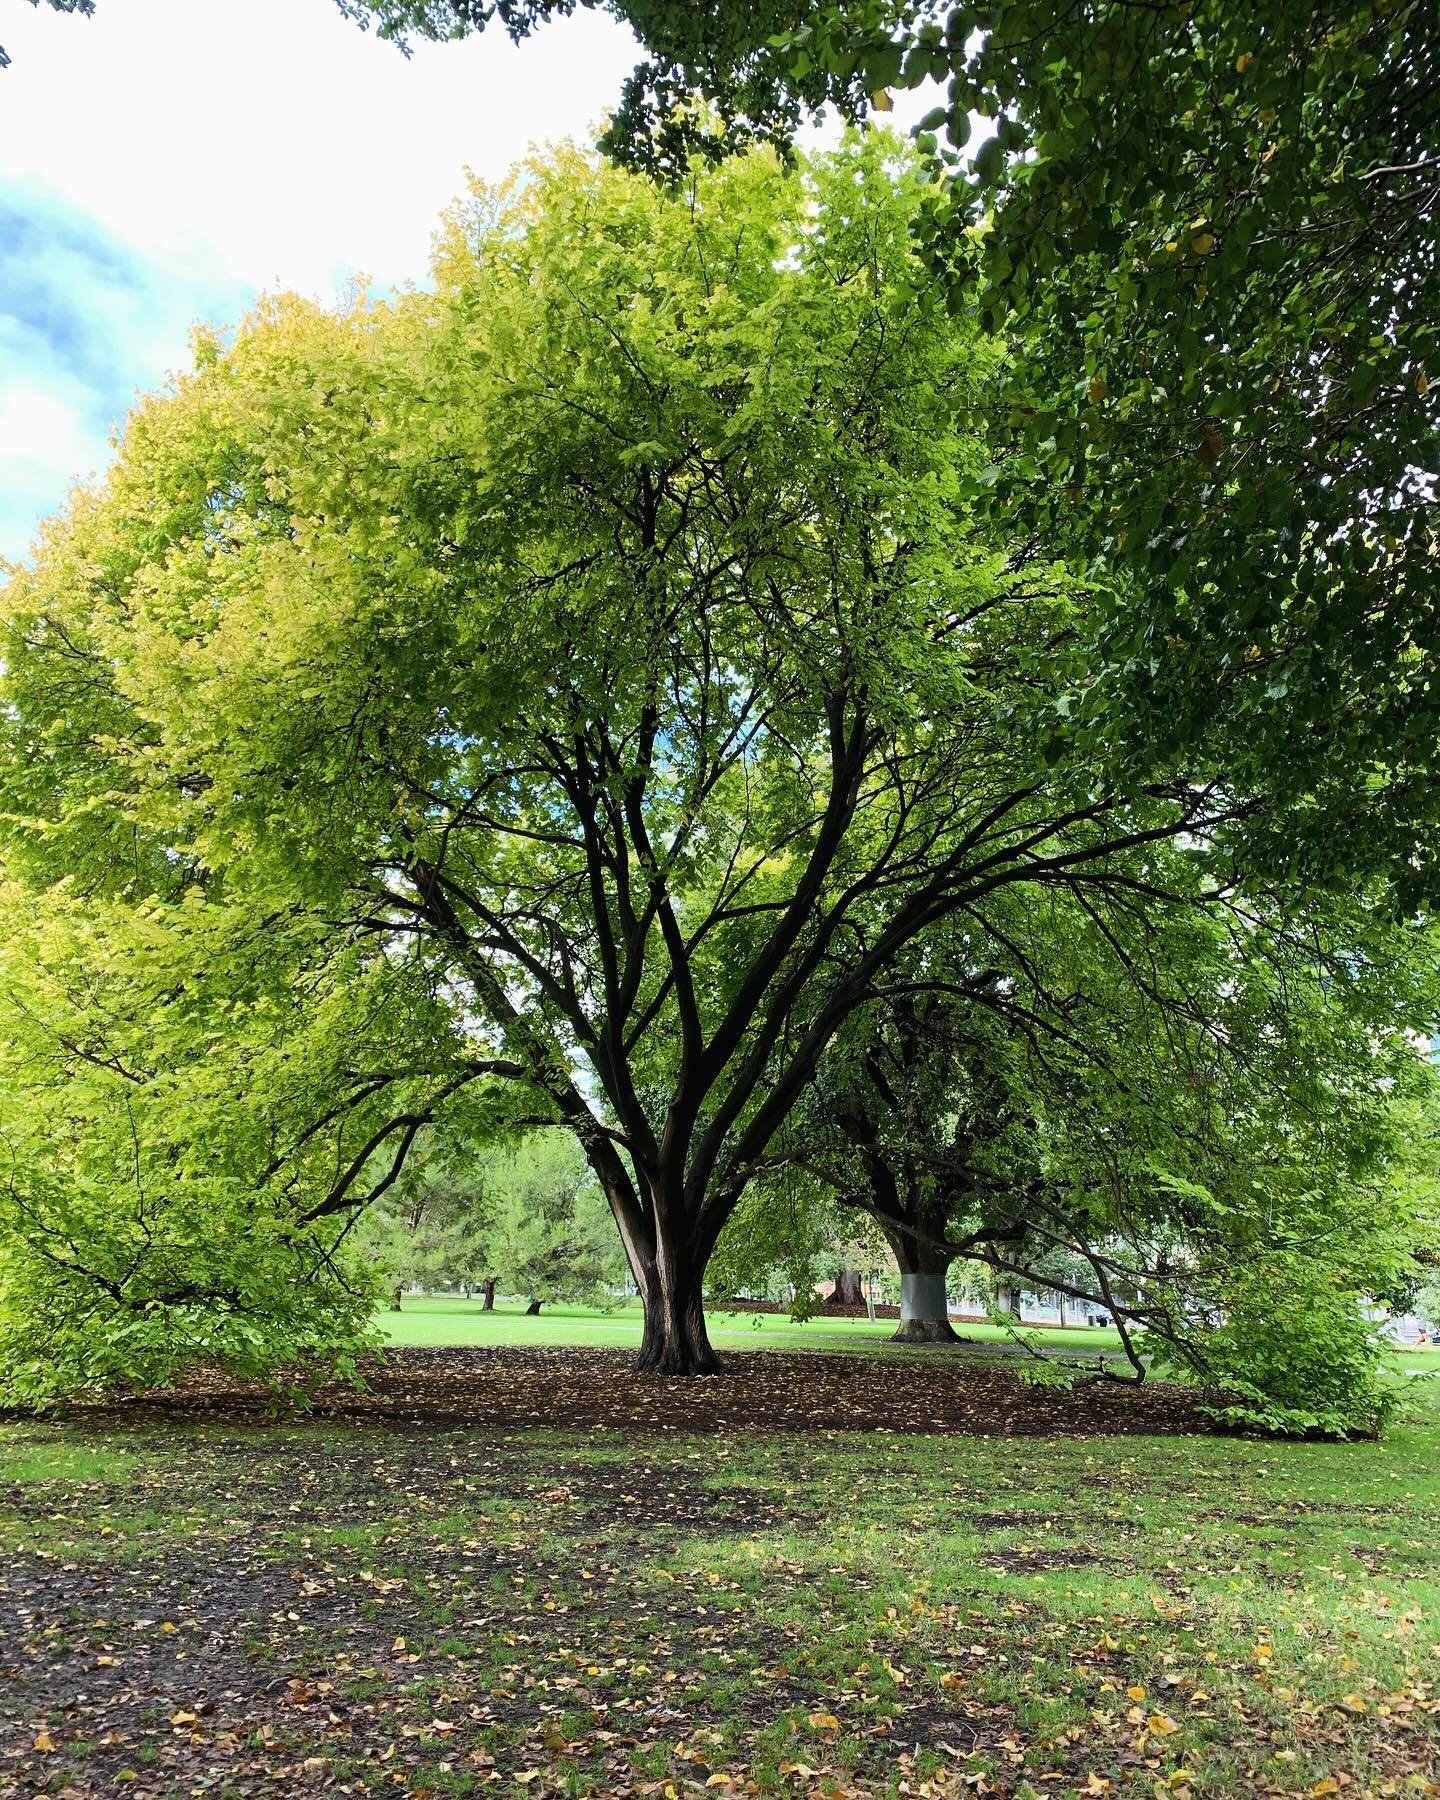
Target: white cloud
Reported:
[(44, 436), (167, 159), (277, 136), (42, 420)]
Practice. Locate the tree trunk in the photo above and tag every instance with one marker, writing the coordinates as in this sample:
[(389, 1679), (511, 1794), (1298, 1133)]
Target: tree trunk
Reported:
[(395, 1299), (924, 1309), (533, 1309), (848, 1290), (675, 1341), (488, 1305)]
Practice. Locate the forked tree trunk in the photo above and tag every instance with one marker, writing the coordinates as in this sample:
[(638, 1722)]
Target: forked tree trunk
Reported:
[(395, 1299), (488, 1304), (532, 1310), (675, 1341), (667, 1252)]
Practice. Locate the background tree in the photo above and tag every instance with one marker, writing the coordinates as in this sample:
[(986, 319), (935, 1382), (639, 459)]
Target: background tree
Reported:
[(432, 1229), (1175, 1115), (549, 1234), (786, 1241)]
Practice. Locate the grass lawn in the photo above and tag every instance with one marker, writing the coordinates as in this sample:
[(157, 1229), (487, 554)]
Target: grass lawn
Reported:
[(226, 1608), (443, 1319), (446, 1319)]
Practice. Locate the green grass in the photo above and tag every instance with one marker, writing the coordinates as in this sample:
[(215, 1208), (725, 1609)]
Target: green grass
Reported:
[(234, 1607), (442, 1319)]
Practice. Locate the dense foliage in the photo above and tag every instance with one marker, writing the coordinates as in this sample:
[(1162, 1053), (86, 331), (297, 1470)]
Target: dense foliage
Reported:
[(1210, 231), (905, 679), (1192, 1118), (525, 1216), (592, 664)]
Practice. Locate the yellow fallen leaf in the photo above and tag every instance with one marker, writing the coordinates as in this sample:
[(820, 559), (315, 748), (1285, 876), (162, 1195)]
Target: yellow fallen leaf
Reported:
[(44, 1741), (1327, 1786), (1162, 1724), (182, 1718), (167, 1626), (1136, 1693), (1352, 1703), (823, 1721), (951, 1680)]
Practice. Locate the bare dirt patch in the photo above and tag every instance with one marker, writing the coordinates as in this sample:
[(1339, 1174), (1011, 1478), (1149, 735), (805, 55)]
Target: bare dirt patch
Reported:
[(760, 1391)]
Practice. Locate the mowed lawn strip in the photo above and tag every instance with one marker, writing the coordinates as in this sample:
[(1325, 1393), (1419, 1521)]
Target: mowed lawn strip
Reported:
[(444, 1320), (243, 1608)]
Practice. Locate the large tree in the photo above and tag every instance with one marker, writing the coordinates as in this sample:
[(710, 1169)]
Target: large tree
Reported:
[(598, 650)]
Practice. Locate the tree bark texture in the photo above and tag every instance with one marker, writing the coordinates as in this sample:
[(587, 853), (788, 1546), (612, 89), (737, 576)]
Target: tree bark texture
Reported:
[(675, 1341)]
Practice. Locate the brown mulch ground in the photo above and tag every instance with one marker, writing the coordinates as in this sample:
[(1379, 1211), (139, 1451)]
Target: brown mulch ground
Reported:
[(765, 1391)]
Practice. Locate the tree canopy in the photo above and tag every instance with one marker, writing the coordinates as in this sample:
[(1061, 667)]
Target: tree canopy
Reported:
[(1209, 231), (1182, 1116), (595, 671)]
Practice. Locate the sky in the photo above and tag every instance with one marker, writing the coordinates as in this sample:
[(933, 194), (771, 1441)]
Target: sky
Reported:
[(167, 160)]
